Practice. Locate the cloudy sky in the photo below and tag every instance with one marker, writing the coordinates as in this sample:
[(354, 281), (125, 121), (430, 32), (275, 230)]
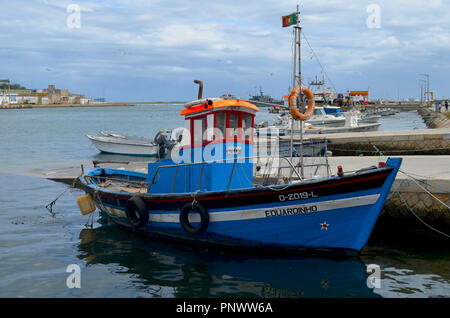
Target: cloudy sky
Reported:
[(141, 50)]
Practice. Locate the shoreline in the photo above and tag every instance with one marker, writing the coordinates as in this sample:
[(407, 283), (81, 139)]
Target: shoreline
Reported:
[(112, 104), (28, 106)]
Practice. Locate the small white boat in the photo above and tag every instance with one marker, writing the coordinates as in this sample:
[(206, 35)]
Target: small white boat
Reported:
[(364, 118), (131, 145), (352, 124), (321, 118)]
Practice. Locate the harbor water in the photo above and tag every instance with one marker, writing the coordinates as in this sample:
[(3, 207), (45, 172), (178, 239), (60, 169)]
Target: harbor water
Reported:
[(38, 246)]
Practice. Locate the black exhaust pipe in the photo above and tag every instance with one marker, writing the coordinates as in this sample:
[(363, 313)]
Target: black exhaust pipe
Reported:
[(200, 88)]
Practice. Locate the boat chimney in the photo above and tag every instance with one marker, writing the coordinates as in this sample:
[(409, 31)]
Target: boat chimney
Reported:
[(200, 88)]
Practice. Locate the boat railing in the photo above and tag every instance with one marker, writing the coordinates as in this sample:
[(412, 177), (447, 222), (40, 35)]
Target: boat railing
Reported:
[(267, 171), (264, 176)]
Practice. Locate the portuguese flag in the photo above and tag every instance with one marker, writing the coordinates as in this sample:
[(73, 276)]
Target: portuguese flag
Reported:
[(289, 20)]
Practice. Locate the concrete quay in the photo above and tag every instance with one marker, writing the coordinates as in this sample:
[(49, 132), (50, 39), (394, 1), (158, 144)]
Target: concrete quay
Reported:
[(422, 186), (395, 142)]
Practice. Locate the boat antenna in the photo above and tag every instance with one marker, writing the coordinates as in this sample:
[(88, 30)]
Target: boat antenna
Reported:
[(200, 88)]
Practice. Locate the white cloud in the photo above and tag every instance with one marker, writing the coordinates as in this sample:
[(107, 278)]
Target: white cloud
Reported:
[(238, 41)]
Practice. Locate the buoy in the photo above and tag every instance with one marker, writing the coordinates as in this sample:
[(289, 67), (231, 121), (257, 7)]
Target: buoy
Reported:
[(86, 204), (293, 102)]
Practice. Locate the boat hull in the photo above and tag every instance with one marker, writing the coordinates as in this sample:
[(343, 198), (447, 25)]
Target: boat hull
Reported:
[(334, 130), (332, 122), (119, 147), (334, 215)]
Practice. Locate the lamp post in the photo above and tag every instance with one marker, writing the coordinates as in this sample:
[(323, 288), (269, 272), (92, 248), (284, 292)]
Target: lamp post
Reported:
[(427, 88), (422, 83)]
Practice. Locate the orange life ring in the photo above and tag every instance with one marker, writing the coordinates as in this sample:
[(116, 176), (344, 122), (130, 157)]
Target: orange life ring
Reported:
[(293, 103)]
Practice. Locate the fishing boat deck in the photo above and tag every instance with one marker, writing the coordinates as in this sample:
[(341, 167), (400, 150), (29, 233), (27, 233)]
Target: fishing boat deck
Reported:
[(123, 187)]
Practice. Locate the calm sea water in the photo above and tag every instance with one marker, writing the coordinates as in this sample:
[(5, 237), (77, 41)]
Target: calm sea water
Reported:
[(37, 246)]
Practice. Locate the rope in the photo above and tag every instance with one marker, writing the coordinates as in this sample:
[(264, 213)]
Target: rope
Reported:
[(404, 202), (410, 210), (195, 200), (318, 61), (424, 189), (49, 206)]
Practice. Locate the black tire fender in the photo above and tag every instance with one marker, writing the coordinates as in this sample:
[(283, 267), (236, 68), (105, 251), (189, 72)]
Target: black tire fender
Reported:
[(184, 218), (136, 211)]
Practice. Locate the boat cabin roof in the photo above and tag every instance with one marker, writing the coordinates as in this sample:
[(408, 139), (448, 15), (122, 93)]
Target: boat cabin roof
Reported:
[(207, 105)]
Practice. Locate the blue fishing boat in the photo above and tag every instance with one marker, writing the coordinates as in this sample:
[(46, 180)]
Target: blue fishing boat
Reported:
[(208, 194), (214, 192)]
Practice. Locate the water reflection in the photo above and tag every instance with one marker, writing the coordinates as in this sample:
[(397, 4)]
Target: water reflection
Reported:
[(168, 270), (411, 270)]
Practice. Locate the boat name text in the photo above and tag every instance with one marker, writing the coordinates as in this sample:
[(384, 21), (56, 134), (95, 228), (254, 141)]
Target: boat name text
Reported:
[(291, 211)]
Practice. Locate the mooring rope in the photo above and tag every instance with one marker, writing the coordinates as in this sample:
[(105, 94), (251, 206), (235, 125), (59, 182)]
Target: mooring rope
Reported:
[(49, 206), (424, 189), (195, 200), (406, 203), (410, 210)]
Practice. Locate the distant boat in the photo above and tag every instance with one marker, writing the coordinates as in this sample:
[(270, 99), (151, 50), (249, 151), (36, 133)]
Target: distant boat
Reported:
[(262, 100), (321, 118), (352, 124), (363, 118), (112, 143), (323, 95)]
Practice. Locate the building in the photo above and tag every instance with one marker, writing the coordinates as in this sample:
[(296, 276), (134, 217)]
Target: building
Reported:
[(359, 96), (50, 95)]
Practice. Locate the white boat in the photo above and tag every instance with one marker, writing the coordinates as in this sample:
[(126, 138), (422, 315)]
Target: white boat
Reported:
[(282, 125), (321, 118), (352, 124), (131, 145), (364, 118)]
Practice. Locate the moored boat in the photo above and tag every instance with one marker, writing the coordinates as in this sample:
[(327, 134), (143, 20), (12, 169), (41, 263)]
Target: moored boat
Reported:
[(199, 197), (112, 143), (214, 192)]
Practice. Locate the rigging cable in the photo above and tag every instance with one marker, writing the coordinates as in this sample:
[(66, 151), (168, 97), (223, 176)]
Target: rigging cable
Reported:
[(318, 61)]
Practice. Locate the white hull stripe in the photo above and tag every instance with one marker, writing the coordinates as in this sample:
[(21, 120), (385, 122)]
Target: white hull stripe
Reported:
[(259, 212)]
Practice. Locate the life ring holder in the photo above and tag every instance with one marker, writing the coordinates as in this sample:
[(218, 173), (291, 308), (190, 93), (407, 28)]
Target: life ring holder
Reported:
[(136, 212), (184, 217), (296, 114)]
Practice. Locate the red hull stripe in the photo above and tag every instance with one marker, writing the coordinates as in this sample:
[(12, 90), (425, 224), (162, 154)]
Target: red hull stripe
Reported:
[(341, 183), (265, 193)]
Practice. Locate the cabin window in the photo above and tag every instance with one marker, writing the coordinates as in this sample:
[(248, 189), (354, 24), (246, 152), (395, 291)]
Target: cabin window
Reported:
[(210, 125), (247, 127), (221, 125), (199, 130), (233, 125), (185, 134)]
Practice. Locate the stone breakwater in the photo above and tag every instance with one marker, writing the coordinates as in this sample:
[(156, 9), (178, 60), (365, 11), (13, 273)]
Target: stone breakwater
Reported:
[(399, 142), (434, 119)]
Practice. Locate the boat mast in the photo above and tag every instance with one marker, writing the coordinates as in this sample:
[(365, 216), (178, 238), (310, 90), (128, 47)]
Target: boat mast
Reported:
[(297, 81)]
